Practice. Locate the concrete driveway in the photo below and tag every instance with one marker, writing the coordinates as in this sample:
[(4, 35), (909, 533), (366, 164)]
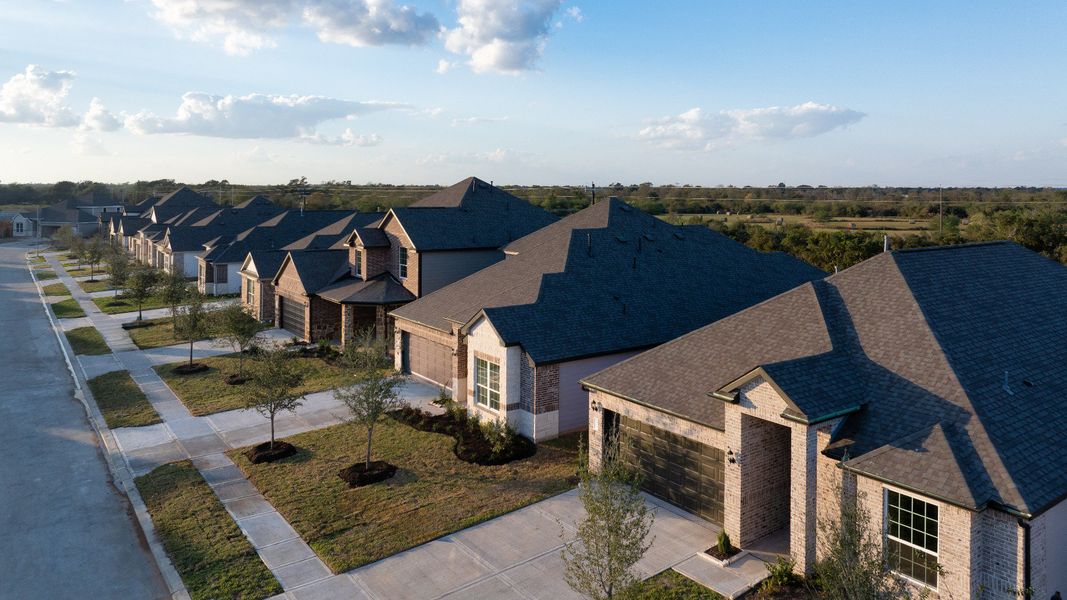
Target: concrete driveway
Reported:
[(517, 556), (65, 531)]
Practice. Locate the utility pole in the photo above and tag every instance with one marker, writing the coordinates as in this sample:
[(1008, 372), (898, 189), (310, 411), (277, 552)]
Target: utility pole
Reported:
[(940, 211), (592, 186)]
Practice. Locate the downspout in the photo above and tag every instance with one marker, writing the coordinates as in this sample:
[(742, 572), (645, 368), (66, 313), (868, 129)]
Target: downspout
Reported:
[(1027, 591)]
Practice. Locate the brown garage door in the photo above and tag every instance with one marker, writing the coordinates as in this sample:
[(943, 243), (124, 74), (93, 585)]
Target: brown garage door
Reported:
[(292, 316), (428, 359), (677, 469)]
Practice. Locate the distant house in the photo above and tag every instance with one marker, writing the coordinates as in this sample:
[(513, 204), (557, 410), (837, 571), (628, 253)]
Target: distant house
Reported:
[(260, 251), (514, 339), (81, 214), (928, 384), (14, 224), (411, 252), (144, 232)]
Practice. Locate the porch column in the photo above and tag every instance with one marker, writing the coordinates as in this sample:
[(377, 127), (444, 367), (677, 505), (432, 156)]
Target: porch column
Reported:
[(348, 317), (803, 483), (277, 311)]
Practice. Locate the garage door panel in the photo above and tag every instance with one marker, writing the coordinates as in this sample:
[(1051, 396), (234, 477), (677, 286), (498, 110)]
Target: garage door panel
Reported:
[(292, 316), (429, 360), (675, 468)]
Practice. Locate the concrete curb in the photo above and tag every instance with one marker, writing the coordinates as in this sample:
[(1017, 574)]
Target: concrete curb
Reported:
[(116, 463)]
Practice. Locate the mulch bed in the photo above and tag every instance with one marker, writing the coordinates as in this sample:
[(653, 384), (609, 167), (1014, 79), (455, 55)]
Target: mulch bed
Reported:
[(358, 475), (264, 453), (118, 303), (471, 445), (192, 369), (136, 325), (714, 552), (235, 379)]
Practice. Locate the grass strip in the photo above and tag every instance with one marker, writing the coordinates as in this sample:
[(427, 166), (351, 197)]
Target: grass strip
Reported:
[(210, 553), (121, 401)]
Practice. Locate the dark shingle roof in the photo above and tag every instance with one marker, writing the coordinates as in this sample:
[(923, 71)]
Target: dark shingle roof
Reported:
[(370, 237), (268, 262), (383, 289), (178, 202), (334, 235), (276, 233), (608, 279), (318, 269), (469, 214), (924, 340)]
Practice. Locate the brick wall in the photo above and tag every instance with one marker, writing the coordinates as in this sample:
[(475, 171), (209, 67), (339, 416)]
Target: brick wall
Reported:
[(526, 385), (265, 295), (375, 261), (1002, 554), (397, 240), (453, 340), (325, 320), (546, 388), (764, 465)]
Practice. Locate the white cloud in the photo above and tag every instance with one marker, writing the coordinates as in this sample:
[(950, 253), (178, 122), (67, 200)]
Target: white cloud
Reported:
[(38, 97), (252, 116), (99, 118), (575, 13), (443, 66), (349, 139), (244, 26), (502, 36), (84, 144), (369, 22), (477, 120), (695, 129)]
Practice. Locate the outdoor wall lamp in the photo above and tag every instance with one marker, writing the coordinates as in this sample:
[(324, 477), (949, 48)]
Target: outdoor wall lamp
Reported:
[(595, 406), (731, 457)]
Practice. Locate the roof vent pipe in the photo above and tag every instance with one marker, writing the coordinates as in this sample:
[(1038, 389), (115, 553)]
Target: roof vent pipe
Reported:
[(1007, 388), (589, 244), (885, 243)]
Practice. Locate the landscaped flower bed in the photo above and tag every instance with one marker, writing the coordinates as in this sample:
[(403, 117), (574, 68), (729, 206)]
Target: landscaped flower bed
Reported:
[(474, 443)]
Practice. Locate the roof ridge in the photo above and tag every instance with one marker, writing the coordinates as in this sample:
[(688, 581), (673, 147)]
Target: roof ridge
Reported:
[(954, 246)]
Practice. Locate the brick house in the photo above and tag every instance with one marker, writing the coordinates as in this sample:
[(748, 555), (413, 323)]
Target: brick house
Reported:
[(927, 384), (410, 252), (575, 297), (180, 207)]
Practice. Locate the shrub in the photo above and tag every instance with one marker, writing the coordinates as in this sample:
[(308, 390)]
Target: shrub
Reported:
[(722, 543)]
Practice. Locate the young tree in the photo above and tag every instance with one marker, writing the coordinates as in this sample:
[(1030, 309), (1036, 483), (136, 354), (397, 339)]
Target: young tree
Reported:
[(239, 329), (77, 248), (64, 237), (275, 380), (855, 564), (172, 289), (94, 253), (118, 264), (376, 390), (192, 321), (139, 286), (612, 537)]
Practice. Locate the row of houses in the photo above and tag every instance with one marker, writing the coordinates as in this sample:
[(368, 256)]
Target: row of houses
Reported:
[(81, 214), (748, 388)]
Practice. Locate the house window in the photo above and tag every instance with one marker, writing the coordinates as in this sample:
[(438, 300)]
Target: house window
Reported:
[(487, 383), (250, 292), (911, 537), (359, 263), (221, 274), (403, 270), (18, 227)]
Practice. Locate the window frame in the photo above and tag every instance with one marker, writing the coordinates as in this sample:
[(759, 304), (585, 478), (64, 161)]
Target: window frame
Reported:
[(888, 537), (402, 263), (359, 263), (250, 292), (486, 401)]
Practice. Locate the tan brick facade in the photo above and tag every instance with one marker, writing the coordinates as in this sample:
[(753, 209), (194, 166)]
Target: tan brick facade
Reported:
[(398, 239), (262, 304)]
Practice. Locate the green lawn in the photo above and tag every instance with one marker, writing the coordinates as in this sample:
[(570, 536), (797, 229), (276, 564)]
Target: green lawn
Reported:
[(86, 271), (87, 340), (432, 494), (56, 289), (206, 393), (67, 308), (670, 585), (210, 553), (35, 258), (118, 304), (122, 403), (99, 285), (46, 275)]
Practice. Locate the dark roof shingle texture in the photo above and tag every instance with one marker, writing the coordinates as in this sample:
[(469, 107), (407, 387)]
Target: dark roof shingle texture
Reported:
[(609, 279), (925, 340)]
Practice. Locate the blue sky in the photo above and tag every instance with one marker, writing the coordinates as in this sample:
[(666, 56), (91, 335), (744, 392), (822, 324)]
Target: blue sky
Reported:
[(535, 91)]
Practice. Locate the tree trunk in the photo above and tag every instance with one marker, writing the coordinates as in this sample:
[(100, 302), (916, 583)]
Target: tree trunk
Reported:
[(140, 303), (190, 351), (272, 431), (370, 436)]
